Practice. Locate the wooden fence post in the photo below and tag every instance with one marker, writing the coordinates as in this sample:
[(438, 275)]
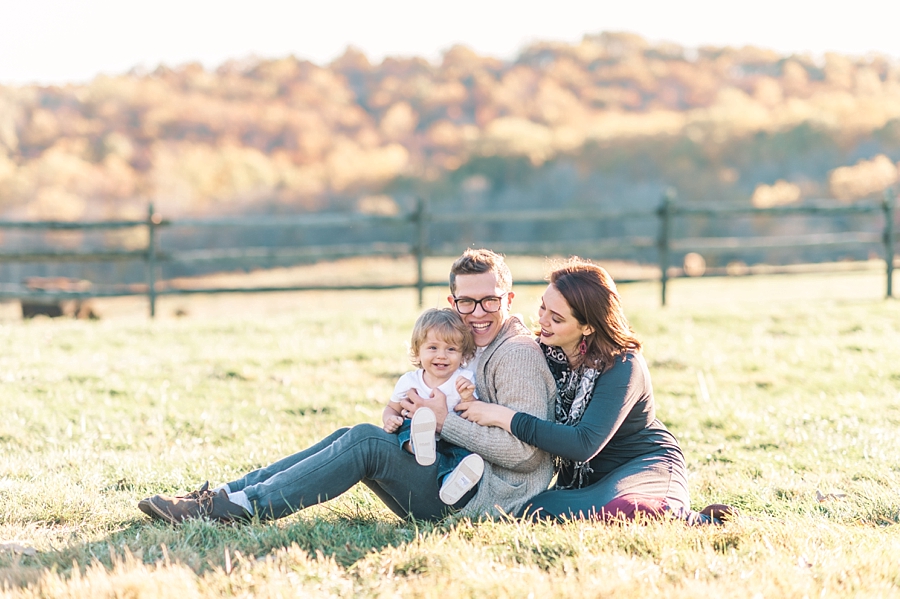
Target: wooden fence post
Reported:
[(665, 224), (421, 219), (889, 239), (152, 221)]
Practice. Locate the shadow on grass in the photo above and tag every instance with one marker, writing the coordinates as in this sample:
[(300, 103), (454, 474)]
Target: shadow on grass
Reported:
[(204, 546)]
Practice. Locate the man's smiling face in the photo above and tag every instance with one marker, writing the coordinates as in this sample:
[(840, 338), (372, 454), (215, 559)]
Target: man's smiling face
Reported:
[(485, 325)]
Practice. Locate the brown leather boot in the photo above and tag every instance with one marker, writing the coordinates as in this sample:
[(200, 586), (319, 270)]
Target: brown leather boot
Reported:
[(719, 511), (214, 506), (714, 513), (144, 504)]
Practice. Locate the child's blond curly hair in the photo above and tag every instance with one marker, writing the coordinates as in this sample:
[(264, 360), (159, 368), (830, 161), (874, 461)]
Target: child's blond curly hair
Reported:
[(448, 325)]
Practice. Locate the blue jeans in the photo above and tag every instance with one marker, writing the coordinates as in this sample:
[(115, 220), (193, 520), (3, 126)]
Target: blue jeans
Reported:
[(448, 455), (360, 454)]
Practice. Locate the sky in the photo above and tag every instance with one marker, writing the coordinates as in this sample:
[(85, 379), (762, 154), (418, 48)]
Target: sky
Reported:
[(62, 41)]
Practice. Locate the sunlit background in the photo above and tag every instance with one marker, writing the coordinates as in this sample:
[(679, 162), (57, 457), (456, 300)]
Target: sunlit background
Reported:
[(54, 41), (213, 109)]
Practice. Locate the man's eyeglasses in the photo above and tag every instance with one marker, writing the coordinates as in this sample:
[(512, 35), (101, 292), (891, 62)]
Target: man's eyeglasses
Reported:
[(466, 305)]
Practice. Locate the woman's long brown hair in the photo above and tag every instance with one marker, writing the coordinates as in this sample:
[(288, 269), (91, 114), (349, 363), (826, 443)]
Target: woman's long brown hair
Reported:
[(592, 296)]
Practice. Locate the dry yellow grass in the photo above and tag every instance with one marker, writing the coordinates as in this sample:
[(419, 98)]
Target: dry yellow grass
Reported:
[(783, 391)]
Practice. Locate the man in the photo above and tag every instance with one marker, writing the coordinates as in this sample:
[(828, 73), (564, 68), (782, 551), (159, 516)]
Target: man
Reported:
[(510, 370)]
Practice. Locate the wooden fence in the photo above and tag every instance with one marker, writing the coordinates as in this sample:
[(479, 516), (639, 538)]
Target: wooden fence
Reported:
[(421, 220)]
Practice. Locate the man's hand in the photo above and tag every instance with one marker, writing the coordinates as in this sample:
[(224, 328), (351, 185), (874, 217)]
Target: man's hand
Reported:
[(437, 402)]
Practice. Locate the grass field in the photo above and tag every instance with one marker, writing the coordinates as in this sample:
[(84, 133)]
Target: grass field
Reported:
[(784, 392)]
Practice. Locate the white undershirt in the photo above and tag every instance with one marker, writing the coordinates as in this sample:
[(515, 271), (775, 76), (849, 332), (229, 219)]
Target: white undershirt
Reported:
[(473, 363)]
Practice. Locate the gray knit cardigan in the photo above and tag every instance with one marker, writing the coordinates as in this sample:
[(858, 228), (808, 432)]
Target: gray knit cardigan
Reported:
[(512, 372)]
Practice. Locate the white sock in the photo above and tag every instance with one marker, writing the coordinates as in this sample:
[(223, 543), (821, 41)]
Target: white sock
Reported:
[(222, 486), (240, 498)]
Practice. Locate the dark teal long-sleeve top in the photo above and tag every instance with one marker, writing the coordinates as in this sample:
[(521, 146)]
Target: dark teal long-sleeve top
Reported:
[(618, 425)]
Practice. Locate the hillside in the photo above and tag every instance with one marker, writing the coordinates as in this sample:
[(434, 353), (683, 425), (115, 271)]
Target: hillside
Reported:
[(611, 120)]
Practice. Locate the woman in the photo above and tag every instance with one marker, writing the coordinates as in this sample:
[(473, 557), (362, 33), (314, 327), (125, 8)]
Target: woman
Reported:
[(614, 457)]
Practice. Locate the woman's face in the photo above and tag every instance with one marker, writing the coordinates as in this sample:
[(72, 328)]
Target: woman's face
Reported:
[(558, 326)]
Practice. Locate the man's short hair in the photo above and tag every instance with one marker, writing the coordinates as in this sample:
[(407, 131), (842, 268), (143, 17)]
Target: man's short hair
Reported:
[(475, 262)]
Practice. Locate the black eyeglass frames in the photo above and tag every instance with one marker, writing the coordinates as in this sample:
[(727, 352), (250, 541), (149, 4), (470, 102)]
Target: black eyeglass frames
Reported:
[(466, 305)]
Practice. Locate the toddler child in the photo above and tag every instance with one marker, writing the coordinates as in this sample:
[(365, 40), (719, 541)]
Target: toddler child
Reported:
[(440, 344)]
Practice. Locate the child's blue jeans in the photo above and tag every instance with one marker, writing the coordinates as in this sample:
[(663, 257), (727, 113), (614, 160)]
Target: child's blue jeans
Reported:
[(448, 455)]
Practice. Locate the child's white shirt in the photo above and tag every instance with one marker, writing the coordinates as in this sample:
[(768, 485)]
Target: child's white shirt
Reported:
[(416, 380)]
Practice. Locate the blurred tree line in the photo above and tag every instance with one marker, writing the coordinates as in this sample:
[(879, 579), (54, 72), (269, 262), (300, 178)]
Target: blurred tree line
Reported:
[(608, 122)]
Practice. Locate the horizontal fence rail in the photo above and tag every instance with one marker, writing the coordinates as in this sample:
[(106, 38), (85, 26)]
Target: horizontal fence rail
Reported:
[(693, 244), (669, 209), (236, 255), (419, 246), (72, 226)]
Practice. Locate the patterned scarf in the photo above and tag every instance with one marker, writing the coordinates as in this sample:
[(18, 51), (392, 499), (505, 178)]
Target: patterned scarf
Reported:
[(576, 388)]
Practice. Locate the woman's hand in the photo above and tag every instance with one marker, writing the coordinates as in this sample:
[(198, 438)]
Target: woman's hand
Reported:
[(486, 414)]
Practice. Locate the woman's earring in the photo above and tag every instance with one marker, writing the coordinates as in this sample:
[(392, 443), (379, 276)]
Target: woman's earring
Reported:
[(582, 347)]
